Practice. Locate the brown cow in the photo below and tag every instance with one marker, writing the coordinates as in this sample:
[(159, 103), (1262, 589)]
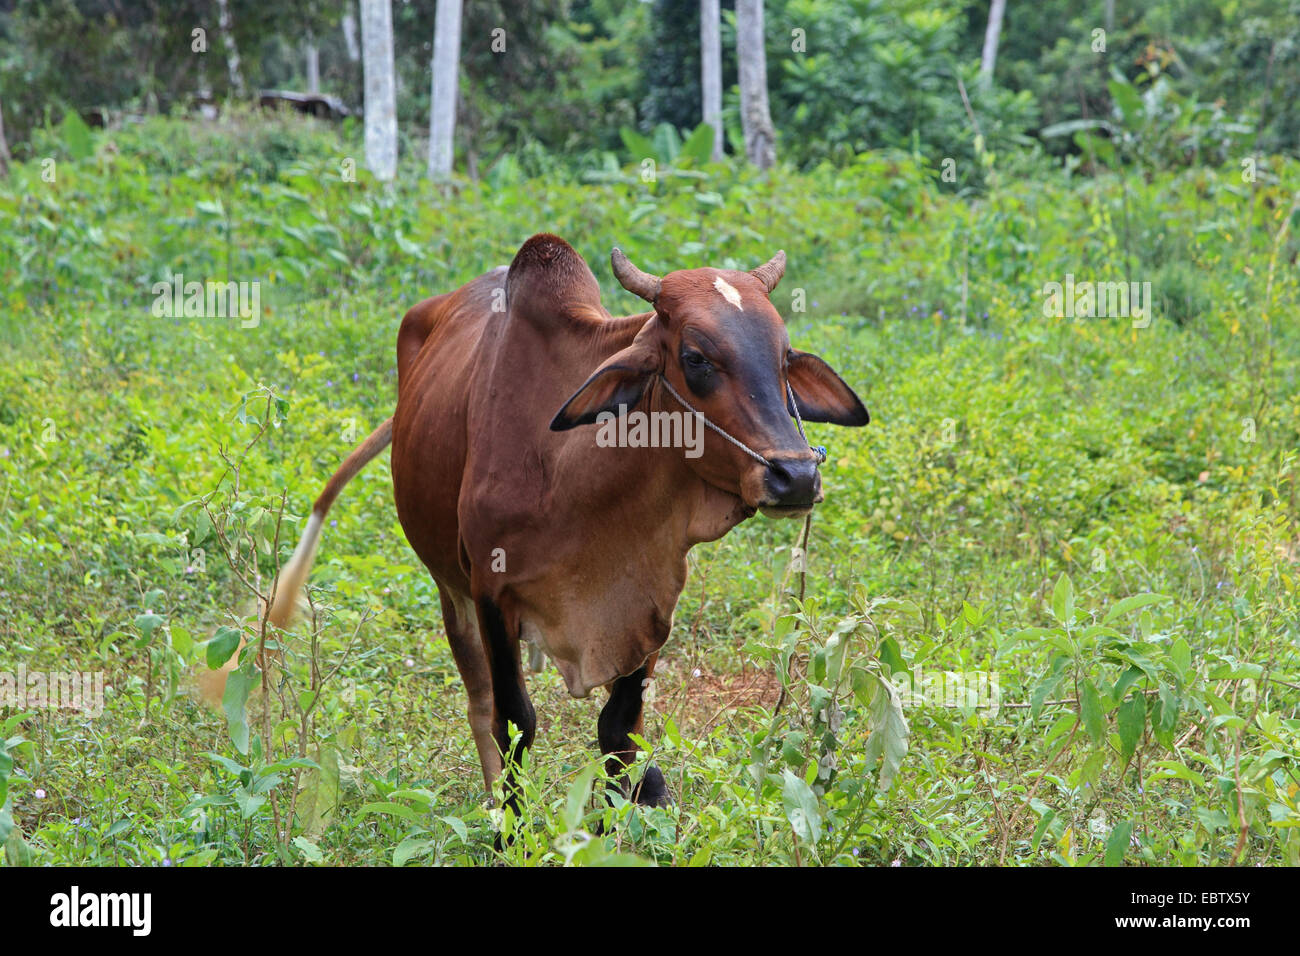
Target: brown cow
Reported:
[(533, 528)]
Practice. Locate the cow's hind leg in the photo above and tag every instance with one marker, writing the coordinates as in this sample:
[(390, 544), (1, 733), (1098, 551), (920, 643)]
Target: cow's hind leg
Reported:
[(499, 628), (623, 714), (467, 649)]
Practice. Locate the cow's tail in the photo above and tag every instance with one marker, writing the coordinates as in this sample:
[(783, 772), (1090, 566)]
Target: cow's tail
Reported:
[(293, 576)]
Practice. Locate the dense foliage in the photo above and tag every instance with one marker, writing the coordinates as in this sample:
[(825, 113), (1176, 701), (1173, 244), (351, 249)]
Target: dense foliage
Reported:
[(845, 75), (1097, 512)]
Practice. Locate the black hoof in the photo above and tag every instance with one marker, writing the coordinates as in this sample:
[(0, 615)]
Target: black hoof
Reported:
[(652, 790)]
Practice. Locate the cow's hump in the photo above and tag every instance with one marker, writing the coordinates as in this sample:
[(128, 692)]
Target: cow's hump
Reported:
[(549, 282)]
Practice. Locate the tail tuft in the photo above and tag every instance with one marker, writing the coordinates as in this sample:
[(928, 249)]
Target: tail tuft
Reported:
[(285, 595), (293, 576)]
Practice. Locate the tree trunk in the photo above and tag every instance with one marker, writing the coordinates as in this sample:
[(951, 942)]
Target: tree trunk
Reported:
[(991, 36), (381, 96), (755, 118), (203, 93), (350, 33), (442, 100), (4, 147), (312, 53), (232, 51), (711, 70)]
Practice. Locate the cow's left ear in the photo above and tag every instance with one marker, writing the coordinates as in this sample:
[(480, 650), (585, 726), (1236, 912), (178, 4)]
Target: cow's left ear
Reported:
[(822, 394), (620, 381)]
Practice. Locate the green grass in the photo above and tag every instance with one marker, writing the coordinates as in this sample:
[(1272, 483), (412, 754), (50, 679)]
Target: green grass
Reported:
[(1021, 478)]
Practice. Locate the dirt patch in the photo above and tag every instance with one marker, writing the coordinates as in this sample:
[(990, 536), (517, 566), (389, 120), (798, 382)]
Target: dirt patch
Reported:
[(698, 700)]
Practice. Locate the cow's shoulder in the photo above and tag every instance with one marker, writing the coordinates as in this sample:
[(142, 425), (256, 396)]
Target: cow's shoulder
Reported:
[(550, 284), (450, 317)]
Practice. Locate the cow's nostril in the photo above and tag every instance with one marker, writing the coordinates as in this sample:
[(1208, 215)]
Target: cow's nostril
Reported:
[(793, 481)]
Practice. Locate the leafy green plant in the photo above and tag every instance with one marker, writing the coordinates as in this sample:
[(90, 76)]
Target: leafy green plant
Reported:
[(835, 687), (1008, 450)]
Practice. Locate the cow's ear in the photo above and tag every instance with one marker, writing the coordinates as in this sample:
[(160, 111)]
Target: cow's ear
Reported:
[(619, 382), (822, 394)]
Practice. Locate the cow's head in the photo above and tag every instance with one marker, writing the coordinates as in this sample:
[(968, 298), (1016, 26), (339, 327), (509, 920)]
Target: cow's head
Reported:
[(718, 340)]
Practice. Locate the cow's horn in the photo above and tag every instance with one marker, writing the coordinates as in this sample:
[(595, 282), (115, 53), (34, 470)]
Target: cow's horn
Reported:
[(770, 272), (633, 279)]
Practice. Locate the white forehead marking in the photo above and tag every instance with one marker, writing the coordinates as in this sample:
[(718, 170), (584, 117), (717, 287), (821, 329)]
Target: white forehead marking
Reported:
[(728, 291)]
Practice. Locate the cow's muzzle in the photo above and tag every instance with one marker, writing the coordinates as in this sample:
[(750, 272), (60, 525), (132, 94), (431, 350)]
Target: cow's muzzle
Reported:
[(792, 486)]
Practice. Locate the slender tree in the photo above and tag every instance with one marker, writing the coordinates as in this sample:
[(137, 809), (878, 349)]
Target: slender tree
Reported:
[(711, 69), (227, 29), (991, 36), (349, 23), (755, 117), (4, 148), (312, 54), (381, 97), (442, 99)]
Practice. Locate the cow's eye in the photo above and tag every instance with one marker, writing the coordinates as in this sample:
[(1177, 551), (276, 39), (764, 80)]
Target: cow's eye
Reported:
[(696, 362), (698, 372)]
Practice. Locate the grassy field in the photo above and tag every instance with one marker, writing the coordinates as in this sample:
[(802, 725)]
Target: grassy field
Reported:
[(1096, 516)]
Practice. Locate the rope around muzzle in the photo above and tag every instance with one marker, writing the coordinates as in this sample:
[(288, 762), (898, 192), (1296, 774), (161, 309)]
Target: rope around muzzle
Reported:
[(817, 450)]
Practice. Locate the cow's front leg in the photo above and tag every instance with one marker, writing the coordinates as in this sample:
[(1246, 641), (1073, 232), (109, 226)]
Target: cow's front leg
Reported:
[(499, 628), (623, 715)]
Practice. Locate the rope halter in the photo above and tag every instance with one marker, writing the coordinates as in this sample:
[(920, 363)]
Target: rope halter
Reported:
[(818, 450)]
